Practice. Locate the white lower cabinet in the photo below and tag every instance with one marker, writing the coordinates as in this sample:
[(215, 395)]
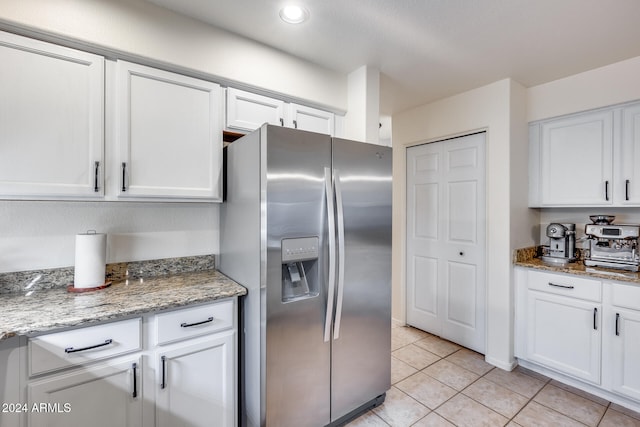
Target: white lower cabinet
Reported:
[(196, 373), (620, 342), (197, 383), (86, 376), (582, 329), (104, 395), (176, 368), (562, 324), (563, 333)]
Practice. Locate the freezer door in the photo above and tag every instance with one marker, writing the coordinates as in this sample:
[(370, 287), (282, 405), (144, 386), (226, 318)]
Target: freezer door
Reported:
[(361, 346), (297, 374)]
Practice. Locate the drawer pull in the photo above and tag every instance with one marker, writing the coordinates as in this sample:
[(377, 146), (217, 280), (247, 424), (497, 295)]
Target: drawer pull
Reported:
[(135, 380), (75, 350), (617, 324), (164, 372), (188, 325), (626, 189), (124, 175), (96, 187), (595, 319), (561, 286)]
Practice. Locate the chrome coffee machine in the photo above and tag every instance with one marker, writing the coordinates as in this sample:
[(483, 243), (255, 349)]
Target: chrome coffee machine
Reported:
[(611, 245), (562, 244)]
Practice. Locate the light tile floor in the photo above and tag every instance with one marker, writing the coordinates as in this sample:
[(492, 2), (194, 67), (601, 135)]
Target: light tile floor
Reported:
[(438, 383)]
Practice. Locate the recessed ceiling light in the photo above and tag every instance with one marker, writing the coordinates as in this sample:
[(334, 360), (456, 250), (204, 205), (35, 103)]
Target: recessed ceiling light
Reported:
[(294, 14)]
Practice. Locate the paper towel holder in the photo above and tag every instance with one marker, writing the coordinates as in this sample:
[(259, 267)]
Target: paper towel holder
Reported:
[(92, 265), (73, 289)]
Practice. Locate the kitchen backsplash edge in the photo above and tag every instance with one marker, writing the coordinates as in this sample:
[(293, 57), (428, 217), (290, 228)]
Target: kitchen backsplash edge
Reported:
[(19, 281)]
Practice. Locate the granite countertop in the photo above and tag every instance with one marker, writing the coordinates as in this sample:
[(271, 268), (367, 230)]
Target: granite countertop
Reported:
[(42, 310), (528, 258)]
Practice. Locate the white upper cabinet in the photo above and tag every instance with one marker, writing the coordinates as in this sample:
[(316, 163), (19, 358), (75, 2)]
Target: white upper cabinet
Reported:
[(574, 156), (310, 119), (248, 111), (51, 121), (627, 159), (169, 134), (586, 159)]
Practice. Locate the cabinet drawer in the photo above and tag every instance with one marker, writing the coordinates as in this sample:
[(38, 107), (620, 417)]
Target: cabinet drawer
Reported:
[(78, 346), (563, 284), (627, 296), (191, 322)]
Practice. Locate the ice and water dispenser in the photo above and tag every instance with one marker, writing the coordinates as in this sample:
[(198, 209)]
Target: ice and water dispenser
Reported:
[(299, 268)]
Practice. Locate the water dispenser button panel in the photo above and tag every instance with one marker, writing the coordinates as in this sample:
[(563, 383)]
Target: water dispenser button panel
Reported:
[(300, 249)]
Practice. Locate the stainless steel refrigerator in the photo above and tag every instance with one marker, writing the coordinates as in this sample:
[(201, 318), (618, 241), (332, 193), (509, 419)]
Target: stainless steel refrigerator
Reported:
[(306, 228)]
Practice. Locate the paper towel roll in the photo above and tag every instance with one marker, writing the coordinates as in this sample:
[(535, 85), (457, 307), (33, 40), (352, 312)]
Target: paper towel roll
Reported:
[(91, 255)]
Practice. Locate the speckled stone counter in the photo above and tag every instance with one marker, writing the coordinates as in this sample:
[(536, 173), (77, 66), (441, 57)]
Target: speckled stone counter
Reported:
[(528, 258), (30, 311)]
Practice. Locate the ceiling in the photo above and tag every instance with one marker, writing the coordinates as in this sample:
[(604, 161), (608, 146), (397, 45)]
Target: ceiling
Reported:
[(430, 49)]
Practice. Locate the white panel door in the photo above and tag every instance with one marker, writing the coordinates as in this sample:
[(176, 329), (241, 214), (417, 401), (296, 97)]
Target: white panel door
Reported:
[(51, 120), (170, 134), (446, 239), (627, 159)]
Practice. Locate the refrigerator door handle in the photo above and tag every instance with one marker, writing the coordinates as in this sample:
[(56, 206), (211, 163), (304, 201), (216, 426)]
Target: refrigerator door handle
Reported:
[(341, 255), (332, 253)]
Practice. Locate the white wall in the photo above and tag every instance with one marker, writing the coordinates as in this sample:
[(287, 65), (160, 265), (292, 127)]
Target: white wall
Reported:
[(144, 30), (612, 84), (524, 221), (363, 98), (35, 235), (487, 108)]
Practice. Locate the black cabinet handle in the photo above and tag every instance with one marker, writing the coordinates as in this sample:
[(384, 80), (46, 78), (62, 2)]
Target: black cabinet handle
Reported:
[(96, 188), (595, 318), (124, 173), (188, 325), (75, 350), (281, 121), (561, 286), (606, 190), (295, 124), (617, 324), (135, 380), (164, 372), (626, 189)]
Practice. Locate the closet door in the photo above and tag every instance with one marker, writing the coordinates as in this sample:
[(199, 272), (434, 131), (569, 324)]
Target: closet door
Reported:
[(445, 268)]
